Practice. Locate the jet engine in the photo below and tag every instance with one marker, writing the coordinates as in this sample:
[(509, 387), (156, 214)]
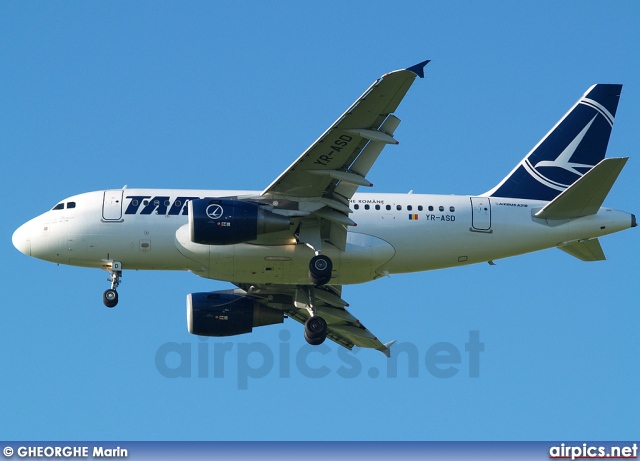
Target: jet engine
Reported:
[(226, 222), (222, 313)]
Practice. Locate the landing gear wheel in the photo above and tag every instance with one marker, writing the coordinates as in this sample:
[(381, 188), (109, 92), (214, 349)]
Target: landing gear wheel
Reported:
[(314, 341), (110, 298), (315, 330), (320, 268)]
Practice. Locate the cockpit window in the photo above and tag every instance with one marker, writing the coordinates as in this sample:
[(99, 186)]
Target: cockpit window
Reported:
[(71, 204), (59, 206)]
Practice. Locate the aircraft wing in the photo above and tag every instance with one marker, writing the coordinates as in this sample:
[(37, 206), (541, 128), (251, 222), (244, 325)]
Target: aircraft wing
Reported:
[(321, 181), (334, 157), (343, 328)]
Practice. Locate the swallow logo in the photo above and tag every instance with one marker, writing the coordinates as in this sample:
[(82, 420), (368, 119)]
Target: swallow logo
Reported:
[(214, 211), (563, 161)]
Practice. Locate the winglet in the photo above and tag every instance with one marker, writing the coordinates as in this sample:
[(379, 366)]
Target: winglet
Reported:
[(386, 348), (418, 69)]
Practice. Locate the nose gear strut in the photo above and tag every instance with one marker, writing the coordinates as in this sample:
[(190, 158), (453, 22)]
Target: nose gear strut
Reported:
[(110, 296)]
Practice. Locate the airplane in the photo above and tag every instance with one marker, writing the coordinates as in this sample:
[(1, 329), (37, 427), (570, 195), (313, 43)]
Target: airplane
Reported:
[(290, 248)]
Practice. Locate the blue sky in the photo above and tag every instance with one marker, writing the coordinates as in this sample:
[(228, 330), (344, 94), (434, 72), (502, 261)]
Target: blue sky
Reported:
[(226, 96)]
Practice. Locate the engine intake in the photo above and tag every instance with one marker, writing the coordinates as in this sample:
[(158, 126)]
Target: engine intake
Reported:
[(221, 313), (226, 222)]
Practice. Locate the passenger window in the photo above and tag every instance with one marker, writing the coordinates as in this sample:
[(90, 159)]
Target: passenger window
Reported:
[(71, 205), (409, 207), (167, 202), (134, 202), (145, 202), (430, 208), (441, 208), (452, 209), (356, 207), (366, 207), (419, 207), (377, 207), (388, 207), (59, 206), (398, 207)]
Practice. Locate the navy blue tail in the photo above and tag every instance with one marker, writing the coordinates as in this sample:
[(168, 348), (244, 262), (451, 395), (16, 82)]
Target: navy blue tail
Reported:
[(575, 145)]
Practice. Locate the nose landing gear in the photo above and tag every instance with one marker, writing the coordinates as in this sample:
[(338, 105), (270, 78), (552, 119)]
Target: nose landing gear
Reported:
[(110, 296)]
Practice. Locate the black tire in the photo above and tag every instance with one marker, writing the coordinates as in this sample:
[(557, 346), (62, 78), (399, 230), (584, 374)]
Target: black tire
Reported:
[(314, 341), (110, 298), (315, 328), (320, 268)]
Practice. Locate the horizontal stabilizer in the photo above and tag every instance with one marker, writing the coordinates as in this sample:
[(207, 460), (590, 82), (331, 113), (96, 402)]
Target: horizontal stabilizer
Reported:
[(584, 250), (585, 196)]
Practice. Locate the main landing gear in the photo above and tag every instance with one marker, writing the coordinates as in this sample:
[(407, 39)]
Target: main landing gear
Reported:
[(110, 296), (320, 268), (315, 328)]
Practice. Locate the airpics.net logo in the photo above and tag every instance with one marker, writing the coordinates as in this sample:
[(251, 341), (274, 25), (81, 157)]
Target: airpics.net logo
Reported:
[(246, 361)]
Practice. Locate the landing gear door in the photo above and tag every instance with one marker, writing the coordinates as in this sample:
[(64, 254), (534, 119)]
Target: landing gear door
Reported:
[(112, 205), (481, 214)]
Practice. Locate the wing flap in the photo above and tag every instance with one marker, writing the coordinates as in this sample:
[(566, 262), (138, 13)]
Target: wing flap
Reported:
[(367, 157)]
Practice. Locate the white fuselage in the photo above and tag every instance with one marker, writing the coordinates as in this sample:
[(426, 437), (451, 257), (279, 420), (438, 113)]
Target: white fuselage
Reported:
[(395, 233)]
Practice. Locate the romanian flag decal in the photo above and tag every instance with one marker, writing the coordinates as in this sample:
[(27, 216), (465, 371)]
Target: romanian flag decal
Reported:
[(413, 217)]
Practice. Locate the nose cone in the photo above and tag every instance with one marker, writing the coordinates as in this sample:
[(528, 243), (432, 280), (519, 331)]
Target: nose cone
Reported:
[(22, 239)]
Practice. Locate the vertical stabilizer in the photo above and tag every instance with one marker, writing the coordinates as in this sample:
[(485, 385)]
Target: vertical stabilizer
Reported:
[(574, 145)]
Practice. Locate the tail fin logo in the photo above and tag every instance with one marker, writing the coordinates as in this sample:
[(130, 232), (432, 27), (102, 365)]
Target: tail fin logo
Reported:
[(563, 160), (575, 145)]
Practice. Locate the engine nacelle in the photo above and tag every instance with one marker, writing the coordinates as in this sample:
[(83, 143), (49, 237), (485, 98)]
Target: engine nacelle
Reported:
[(226, 222), (222, 313)]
